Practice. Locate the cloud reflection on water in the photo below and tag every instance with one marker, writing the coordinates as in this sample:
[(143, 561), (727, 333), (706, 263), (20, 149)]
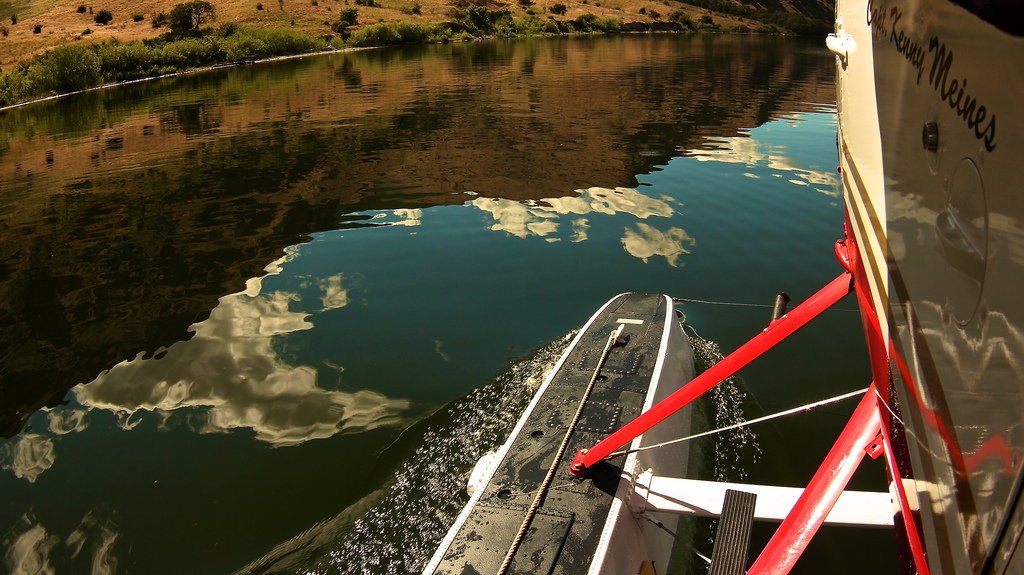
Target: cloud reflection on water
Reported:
[(752, 152), (542, 219), (231, 370), (28, 457), (648, 241), (29, 553), (33, 550)]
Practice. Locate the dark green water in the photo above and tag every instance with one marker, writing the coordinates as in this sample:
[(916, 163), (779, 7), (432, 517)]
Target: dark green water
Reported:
[(265, 319)]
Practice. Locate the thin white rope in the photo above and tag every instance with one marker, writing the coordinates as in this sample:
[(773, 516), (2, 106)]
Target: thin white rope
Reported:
[(738, 304), (777, 415)]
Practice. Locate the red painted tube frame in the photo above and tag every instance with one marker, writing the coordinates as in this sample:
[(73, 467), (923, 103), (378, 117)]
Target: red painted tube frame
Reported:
[(775, 332), (821, 494)]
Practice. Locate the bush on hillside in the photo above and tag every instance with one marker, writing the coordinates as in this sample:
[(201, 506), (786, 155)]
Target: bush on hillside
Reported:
[(138, 17), (125, 61), (404, 32), (682, 17), (347, 17), (81, 8), (188, 16), (65, 69), (14, 85), (103, 17), (559, 9), (191, 53), (592, 23), (532, 26), (264, 42), (37, 28), (480, 20)]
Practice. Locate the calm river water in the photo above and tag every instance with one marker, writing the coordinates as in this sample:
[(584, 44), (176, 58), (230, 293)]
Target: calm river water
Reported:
[(265, 319)]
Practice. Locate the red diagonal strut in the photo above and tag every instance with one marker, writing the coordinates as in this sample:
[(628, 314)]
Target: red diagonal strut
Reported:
[(777, 331), (797, 529)]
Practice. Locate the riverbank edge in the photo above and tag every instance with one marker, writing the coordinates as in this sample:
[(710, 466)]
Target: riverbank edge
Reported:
[(187, 72), (333, 51)]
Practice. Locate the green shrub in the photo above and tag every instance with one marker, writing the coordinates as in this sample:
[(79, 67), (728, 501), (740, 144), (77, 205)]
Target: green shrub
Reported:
[(681, 17), (368, 3), (592, 23), (188, 16), (607, 24), (530, 26), (125, 61), (480, 20), (707, 19), (227, 29), (559, 9), (14, 86), (404, 32), (4, 31), (191, 53), (87, 31), (81, 8), (654, 14), (37, 28), (347, 17), (160, 20), (315, 3), (414, 9), (103, 17), (14, 19), (138, 17), (259, 5), (65, 69)]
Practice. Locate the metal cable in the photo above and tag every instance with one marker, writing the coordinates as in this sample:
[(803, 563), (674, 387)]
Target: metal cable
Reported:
[(647, 515), (791, 411), (735, 304)]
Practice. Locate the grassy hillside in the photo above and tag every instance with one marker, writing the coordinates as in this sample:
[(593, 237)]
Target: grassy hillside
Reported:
[(30, 27)]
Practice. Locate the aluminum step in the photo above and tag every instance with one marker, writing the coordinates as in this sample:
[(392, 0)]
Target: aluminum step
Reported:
[(732, 542)]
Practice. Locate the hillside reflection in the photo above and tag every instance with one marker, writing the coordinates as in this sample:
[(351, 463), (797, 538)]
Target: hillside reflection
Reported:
[(127, 214)]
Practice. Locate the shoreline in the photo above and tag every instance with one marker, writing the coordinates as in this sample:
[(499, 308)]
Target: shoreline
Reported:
[(73, 68)]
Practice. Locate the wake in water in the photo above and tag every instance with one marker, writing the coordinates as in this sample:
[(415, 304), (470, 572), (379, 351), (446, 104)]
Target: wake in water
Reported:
[(734, 450), (396, 528)]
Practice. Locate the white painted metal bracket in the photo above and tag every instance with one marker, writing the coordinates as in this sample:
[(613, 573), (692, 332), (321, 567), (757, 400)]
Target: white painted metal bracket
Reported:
[(704, 498)]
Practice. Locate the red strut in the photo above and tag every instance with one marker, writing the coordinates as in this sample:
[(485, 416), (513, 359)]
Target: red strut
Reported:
[(775, 332), (821, 494)]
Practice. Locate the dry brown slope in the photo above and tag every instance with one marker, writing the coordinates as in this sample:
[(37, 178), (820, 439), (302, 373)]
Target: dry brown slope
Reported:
[(62, 23)]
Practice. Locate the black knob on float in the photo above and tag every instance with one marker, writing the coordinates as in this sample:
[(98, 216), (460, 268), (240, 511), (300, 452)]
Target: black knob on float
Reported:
[(930, 136), (781, 301)]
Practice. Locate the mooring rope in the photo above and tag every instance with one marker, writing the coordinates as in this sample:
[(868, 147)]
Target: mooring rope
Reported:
[(777, 415), (542, 490)]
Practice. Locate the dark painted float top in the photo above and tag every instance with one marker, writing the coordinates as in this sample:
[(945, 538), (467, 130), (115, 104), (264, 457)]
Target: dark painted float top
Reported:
[(564, 535)]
